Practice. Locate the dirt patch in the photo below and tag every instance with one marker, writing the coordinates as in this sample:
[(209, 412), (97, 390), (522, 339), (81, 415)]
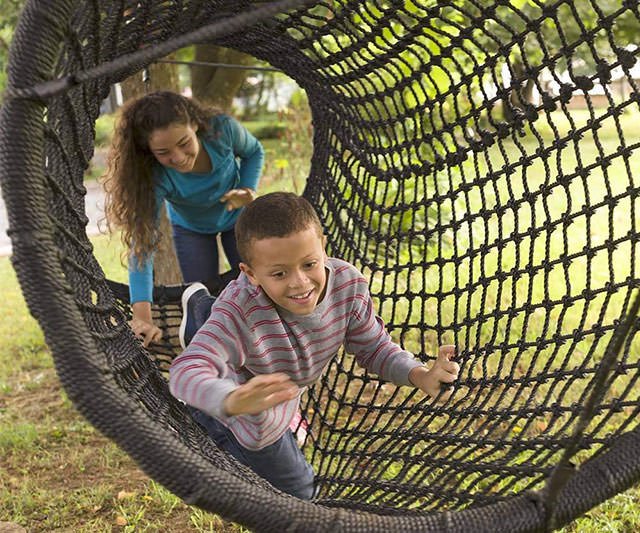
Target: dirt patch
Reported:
[(10, 527), (57, 472), (38, 393)]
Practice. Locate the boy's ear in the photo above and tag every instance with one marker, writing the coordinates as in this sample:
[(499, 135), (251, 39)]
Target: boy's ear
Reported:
[(244, 267)]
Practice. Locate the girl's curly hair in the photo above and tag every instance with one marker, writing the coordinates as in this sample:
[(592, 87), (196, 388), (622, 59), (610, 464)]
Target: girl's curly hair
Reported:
[(128, 181)]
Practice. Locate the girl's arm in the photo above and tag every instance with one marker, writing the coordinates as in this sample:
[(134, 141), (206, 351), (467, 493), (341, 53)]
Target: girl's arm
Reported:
[(249, 150), (141, 288), (251, 153), (141, 296)]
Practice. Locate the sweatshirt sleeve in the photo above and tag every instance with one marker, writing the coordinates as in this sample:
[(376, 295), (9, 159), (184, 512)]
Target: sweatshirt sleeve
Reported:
[(368, 339), (250, 152), (206, 371), (141, 275), (140, 280)]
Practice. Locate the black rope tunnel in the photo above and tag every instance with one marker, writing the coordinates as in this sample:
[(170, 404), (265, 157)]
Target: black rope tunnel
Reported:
[(483, 216)]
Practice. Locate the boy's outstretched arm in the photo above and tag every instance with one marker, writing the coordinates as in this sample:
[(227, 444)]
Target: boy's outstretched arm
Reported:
[(443, 370), (259, 394)]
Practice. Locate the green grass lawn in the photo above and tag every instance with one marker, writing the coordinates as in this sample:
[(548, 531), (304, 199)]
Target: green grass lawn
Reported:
[(57, 473)]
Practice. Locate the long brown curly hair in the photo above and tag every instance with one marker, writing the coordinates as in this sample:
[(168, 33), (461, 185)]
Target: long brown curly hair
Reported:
[(128, 180)]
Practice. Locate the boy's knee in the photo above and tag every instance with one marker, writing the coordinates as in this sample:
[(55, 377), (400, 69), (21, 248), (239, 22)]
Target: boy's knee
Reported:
[(306, 488)]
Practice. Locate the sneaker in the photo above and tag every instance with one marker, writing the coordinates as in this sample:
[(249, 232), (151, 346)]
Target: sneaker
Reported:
[(191, 321)]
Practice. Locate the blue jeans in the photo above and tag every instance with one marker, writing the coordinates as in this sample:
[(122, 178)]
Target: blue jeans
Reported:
[(198, 253), (282, 463)]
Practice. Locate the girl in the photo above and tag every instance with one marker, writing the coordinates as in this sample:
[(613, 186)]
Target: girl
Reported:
[(203, 164)]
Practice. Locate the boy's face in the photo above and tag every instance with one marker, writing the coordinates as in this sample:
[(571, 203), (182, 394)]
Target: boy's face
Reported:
[(290, 269)]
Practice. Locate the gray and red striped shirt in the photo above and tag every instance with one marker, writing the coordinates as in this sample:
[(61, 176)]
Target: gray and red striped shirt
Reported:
[(247, 334)]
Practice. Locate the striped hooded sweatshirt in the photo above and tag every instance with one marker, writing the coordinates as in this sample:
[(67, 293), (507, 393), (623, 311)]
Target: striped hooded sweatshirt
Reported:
[(247, 335)]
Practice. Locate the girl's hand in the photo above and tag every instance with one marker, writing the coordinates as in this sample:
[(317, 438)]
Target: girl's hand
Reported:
[(236, 198), (259, 394), (147, 332), (142, 324)]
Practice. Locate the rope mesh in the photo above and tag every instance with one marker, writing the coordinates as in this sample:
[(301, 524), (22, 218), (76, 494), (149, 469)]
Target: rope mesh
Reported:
[(474, 159)]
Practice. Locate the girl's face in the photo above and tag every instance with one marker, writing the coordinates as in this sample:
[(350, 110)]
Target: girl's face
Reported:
[(177, 146)]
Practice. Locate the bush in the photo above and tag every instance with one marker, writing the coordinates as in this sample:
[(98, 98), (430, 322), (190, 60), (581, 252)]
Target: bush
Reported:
[(266, 129), (104, 129)]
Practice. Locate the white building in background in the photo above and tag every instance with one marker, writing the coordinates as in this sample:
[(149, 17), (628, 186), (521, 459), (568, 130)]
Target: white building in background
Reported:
[(112, 102), (618, 89), (277, 98)]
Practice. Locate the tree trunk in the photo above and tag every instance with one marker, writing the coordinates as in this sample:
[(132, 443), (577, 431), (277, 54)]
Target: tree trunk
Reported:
[(161, 76), (216, 86), (519, 98)]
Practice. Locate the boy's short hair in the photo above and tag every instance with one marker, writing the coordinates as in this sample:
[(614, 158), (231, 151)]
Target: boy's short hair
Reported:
[(277, 214)]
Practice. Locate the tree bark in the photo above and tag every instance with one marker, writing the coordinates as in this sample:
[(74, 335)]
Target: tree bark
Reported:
[(162, 76), (216, 86), (518, 99)]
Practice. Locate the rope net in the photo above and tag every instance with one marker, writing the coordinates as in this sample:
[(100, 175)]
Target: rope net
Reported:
[(474, 159)]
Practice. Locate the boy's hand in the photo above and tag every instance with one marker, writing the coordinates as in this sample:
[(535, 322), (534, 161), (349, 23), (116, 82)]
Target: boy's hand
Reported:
[(444, 370), (236, 198), (259, 394)]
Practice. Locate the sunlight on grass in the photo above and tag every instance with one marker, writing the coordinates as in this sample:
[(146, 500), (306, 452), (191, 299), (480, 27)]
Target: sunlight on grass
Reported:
[(19, 333), (505, 303), (108, 251), (620, 514), (19, 436)]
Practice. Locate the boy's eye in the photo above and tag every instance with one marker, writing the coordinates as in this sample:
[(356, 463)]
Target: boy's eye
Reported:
[(278, 275), (311, 264)]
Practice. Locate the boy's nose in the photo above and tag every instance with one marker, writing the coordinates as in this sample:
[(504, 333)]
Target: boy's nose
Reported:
[(299, 279)]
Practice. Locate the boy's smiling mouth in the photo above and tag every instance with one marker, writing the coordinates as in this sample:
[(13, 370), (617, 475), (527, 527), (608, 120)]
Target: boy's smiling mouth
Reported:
[(304, 296)]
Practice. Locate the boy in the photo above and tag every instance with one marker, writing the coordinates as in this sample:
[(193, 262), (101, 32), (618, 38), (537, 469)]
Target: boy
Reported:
[(271, 333)]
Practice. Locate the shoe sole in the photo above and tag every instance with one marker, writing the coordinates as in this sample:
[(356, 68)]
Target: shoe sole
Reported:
[(188, 292)]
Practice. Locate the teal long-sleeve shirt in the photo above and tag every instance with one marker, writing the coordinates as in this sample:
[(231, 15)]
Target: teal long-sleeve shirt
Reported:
[(193, 199)]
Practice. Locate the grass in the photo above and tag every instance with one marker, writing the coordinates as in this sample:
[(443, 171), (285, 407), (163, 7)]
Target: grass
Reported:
[(57, 473)]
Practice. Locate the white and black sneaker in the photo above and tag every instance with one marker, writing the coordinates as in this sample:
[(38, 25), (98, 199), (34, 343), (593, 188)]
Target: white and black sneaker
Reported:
[(192, 313)]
